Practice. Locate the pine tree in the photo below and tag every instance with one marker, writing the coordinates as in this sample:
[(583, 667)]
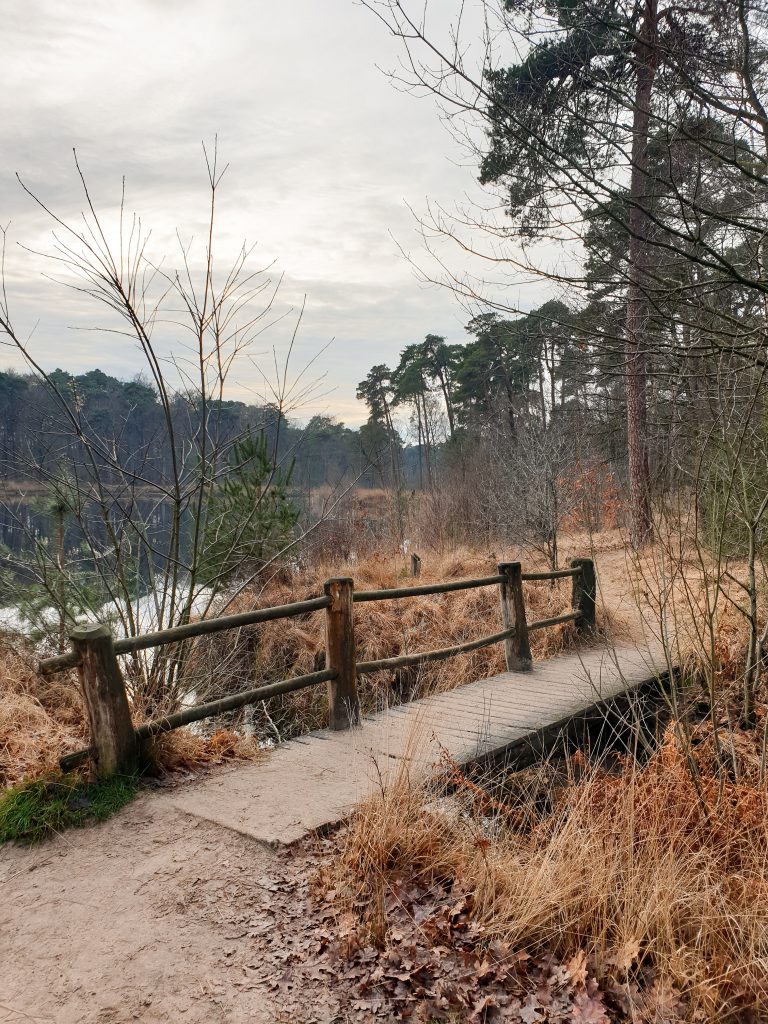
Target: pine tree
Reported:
[(250, 514)]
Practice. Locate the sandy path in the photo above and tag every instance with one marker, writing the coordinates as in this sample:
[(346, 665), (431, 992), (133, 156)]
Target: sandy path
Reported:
[(120, 922)]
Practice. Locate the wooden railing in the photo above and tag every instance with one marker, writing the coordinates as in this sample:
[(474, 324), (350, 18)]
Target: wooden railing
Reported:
[(115, 743)]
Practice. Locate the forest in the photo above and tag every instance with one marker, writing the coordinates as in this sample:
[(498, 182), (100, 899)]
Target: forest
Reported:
[(128, 415), (589, 448)]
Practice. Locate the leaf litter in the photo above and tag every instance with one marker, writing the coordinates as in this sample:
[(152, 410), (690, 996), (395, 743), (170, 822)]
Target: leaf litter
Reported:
[(313, 955)]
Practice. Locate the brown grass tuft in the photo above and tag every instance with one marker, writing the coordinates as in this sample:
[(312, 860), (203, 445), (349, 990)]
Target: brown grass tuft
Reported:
[(40, 719), (659, 888), (185, 750)]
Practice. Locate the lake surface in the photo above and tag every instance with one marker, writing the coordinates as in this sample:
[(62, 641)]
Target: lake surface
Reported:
[(33, 534)]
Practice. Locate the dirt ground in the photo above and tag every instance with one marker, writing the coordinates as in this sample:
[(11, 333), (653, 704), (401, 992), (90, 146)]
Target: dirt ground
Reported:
[(106, 924), (157, 916)]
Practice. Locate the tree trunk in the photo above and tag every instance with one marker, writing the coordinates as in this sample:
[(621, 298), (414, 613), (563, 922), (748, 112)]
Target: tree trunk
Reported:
[(542, 399), (428, 439), (62, 582), (392, 451), (448, 404), (420, 444), (551, 372), (637, 305), (509, 391)]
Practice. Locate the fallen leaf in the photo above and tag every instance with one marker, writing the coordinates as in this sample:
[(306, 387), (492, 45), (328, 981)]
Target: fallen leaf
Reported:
[(576, 969), (626, 955), (589, 1009)]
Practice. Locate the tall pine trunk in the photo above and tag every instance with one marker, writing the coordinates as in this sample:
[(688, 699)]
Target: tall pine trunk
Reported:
[(448, 403), (637, 303)]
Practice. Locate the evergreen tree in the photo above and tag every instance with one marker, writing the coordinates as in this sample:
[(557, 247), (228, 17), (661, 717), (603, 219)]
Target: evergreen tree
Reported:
[(250, 515)]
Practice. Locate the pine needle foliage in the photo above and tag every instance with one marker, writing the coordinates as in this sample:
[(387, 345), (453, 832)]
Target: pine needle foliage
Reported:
[(250, 515)]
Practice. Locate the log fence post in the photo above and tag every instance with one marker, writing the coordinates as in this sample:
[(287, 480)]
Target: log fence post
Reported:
[(343, 701), (415, 565), (584, 597), (517, 648), (113, 740)]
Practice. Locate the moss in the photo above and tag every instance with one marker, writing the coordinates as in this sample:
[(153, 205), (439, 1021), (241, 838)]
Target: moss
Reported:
[(35, 810)]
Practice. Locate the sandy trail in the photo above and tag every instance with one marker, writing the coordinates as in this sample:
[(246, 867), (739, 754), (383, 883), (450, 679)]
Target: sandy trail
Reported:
[(122, 922)]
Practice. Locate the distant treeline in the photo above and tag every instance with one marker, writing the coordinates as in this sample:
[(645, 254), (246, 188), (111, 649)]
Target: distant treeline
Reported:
[(41, 423)]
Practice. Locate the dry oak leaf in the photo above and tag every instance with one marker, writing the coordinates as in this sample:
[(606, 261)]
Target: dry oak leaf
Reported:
[(576, 969), (588, 1006), (531, 1011), (626, 955)]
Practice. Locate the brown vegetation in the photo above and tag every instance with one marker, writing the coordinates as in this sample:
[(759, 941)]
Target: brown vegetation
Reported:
[(658, 884), (42, 719), (261, 654)]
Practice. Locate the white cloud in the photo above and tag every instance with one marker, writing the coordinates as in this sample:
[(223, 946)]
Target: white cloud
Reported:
[(324, 155)]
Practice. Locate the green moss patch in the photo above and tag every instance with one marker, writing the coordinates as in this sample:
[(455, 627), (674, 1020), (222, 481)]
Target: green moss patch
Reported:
[(35, 810)]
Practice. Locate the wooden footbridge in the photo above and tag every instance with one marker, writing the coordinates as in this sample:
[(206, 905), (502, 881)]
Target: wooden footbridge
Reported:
[(315, 780)]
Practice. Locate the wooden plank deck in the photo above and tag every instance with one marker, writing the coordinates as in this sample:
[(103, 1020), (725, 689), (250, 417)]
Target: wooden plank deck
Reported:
[(317, 779)]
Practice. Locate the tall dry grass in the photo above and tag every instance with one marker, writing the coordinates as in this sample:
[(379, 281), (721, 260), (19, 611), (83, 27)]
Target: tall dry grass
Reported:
[(666, 893), (265, 653), (42, 719)]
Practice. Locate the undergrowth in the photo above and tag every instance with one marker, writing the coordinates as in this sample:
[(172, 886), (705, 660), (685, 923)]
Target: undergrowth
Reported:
[(35, 810), (226, 662), (659, 882), (42, 718)]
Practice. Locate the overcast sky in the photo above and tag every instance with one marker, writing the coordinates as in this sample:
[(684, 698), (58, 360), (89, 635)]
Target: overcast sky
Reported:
[(325, 158)]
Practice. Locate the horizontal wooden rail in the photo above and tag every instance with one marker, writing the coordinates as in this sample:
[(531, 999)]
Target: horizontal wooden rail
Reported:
[(115, 744), (367, 667), (555, 574), (48, 666), (556, 621), (208, 710), (427, 588), (130, 644)]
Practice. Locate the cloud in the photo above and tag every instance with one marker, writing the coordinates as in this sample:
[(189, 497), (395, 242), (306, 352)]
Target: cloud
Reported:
[(324, 155)]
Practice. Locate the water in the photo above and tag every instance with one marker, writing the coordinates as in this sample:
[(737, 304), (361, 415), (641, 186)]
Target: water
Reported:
[(97, 549)]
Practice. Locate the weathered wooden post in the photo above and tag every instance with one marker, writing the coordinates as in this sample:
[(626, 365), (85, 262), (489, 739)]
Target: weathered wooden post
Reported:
[(584, 594), (415, 565), (517, 648), (112, 736), (343, 702)]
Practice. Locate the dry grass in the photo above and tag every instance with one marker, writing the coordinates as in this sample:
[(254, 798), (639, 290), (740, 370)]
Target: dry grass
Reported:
[(42, 719), (383, 629), (666, 894)]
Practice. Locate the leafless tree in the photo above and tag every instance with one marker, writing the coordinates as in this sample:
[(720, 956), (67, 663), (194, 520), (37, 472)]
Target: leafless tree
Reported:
[(145, 521)]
